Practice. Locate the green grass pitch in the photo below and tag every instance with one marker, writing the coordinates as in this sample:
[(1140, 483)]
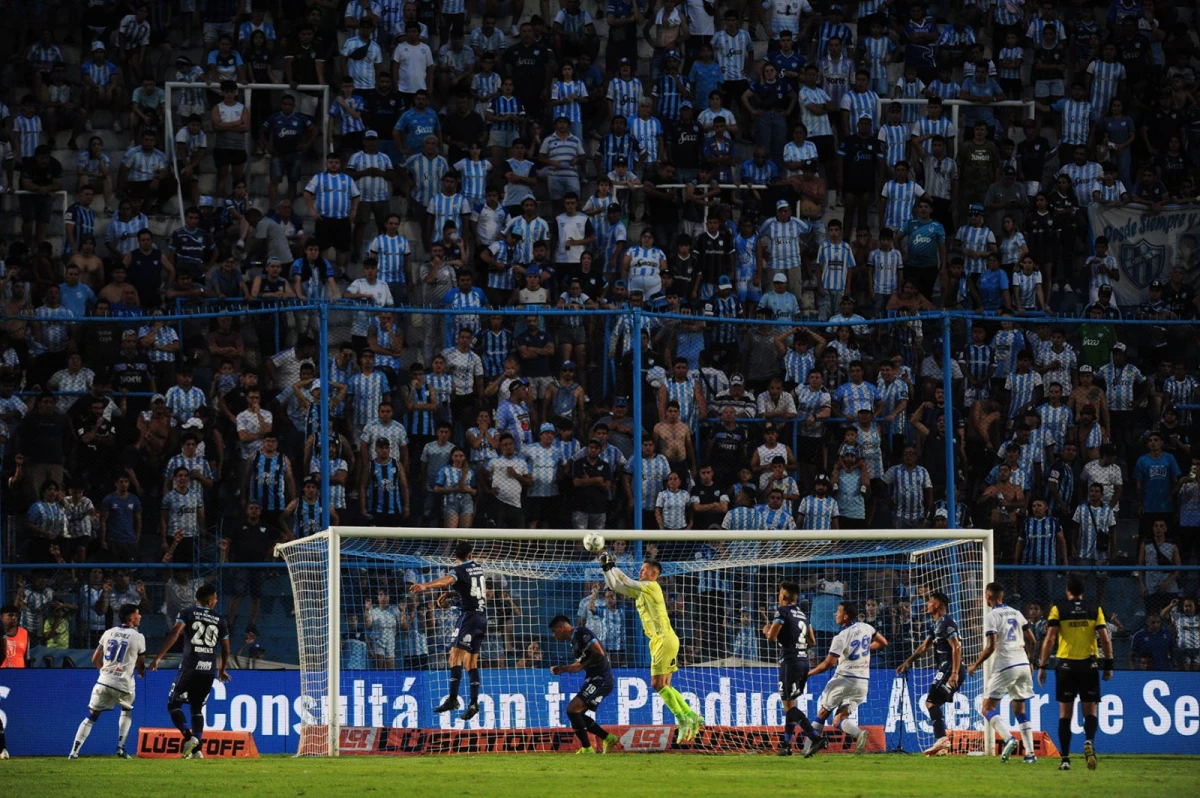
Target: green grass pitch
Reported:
[(599, 776)]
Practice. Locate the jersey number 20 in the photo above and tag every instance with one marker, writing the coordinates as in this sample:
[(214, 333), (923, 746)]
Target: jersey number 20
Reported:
[(204, 634)]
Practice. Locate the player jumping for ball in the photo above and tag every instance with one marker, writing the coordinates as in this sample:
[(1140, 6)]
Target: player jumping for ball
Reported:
[(790, 628), (664, 644), (470, 584), (942, 637), (590, 658), (120, 654), (1010, 637), (850, 653)]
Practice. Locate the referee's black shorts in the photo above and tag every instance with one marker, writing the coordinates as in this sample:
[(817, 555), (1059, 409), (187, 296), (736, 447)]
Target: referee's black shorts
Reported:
[(333, 233), (1079, 678)]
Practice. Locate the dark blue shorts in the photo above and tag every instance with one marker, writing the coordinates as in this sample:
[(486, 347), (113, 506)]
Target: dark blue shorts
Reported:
[(595, 689), (940, 692), (793, 675), (191, 687), (471, 629)]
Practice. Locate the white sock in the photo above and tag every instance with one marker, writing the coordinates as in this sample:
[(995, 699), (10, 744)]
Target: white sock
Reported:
[(85, 728), (1002, 728), (123, 725), (851, 728), (1027, 736)]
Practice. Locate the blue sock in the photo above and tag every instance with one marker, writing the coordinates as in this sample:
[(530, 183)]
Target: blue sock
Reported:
[(180, 721), (197, 724)]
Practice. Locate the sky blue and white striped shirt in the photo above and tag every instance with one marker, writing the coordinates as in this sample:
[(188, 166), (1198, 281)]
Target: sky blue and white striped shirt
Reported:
[(901, 197), (787, 242), (28, 130), (625, 95), (1093, 522), (1076, 120), (818, 512), (183, 510), (860, 105), (563, 89), (531, 231), (647, 132), (427, 175), (448, 208), (366, 391), (332, 194), (674, 506), (886, 264), (908, 491), (836, 261), (143, 166), (390, 252), (817, 124), (184, 404), (1120, 384), (976, 239), (373, 189), (730, 53)]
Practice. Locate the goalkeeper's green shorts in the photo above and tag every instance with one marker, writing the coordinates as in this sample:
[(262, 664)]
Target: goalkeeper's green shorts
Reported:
[(664, 653)]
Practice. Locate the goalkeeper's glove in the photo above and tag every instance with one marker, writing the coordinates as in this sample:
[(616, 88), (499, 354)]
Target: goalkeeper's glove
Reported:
[(607, 560)]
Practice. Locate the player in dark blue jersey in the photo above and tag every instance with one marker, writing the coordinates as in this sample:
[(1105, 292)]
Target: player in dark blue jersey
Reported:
[(206, 634), (942, 637), (470, 586), (590, 658), (791, 630)]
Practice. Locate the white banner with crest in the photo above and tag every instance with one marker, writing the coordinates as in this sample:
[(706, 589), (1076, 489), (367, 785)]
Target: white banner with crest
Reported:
[(1148, 246)]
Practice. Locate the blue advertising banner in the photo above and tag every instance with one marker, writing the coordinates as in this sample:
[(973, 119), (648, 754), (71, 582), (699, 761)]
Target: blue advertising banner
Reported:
[(1141, 712)]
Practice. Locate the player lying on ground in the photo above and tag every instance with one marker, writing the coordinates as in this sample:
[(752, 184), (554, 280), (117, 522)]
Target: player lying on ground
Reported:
[(205, 631), (850, 654), (790, 628), (1011, 638), (470, 584), (590, 658), (120, 654), (664, 644), (942, 636), (1072, 629)]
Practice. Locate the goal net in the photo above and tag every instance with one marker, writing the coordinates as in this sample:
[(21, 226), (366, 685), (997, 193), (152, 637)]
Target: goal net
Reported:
[(378, 653)]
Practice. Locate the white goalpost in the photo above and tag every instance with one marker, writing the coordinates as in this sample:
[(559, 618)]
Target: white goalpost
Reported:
[(373, 656)]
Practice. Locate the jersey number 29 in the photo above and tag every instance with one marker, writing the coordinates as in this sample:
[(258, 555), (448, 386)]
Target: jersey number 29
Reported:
[(859, 647)]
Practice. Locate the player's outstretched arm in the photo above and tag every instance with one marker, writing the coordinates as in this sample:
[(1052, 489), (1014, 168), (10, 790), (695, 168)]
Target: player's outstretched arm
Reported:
[(172, 639), (921, 649), (616, 579), (878, 642), (222, 674), (440, 582), (988, 649), (828, 663)]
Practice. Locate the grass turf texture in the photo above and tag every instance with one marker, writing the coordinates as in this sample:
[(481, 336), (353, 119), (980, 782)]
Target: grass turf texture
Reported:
[(565, 774)]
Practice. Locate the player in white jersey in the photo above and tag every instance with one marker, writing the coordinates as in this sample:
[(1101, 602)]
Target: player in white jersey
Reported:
[(1010, 638), (120, 654), (850, 654)]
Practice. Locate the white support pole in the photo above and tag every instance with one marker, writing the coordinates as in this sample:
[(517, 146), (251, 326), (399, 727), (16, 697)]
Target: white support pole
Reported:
[(989, 575), (333, 691)]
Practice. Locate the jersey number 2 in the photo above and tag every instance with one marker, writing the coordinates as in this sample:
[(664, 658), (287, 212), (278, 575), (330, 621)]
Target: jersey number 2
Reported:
[(1012, 629)]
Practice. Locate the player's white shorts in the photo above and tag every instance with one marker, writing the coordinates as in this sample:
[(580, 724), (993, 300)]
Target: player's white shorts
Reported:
[(843, 691), (105, 698), (1016, 681)]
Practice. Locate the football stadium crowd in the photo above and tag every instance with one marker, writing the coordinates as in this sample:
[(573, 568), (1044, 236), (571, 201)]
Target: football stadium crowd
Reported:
[(734, 171)]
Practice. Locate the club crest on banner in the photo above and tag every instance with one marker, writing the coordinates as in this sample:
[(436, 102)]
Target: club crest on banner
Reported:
[(1143, 262)]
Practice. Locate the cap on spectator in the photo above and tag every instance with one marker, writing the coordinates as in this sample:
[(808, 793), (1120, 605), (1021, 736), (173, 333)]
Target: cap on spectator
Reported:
[(130, 334), (769, 427), (724, 281), (866, 410), (852, 450), (595, 441), (520, 382), (370, 134), (1010, 171), (547, 427), (183, 61), (638, 291), (673, 54), (1105, 287), (623, 61), (686, 104), (779, 277), (158, 397), (737, 379), (193, 423), (98, 45), (206, 202), (1118, 347), (1158, 284), (614, 207), (976, 208), (567, 364), (809, 165), (621, 401), (533, 271), (822, 479), (781, 204), (941, 513), (621, 284), (274, 260), (316, 384)]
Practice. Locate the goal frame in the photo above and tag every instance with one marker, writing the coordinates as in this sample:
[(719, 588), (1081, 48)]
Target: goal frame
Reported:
[(335, 534)]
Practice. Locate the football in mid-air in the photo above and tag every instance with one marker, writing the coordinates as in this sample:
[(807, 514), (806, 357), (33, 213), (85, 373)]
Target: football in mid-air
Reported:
[(593, 542)]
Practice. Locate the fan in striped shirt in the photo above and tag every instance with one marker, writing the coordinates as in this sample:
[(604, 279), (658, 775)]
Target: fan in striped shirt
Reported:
[(774, 516), (899, 195), (1095, 521), (390, 249), (835, 259), (976, 241), (1041, 540), (894, 136), (911, 490), (818, 510)]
